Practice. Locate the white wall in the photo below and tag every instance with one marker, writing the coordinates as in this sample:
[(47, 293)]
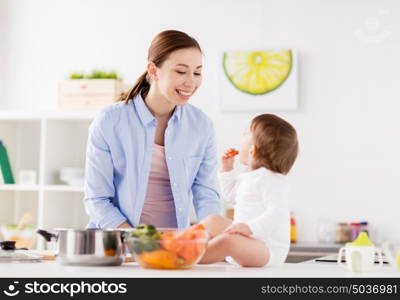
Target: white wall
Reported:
[(349, 97), (3, 22)]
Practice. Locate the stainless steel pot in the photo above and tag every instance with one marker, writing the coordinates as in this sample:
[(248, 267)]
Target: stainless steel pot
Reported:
[(90, 247)]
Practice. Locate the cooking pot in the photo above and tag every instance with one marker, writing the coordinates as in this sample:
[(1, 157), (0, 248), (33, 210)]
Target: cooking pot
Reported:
[(90, 247)]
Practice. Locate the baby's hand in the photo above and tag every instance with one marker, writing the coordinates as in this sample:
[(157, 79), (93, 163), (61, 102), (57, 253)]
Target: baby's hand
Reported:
[(239, 228), (228, 159)]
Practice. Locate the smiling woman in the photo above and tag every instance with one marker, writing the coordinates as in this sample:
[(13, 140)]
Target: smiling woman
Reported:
[(138, 150)]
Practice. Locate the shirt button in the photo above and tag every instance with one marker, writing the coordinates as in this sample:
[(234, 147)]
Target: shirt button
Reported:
[(180, 209), (174, 184), (170, 158)]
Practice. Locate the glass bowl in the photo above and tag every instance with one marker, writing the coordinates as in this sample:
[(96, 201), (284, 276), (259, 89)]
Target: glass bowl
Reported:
[(24, 236), (169, 250)]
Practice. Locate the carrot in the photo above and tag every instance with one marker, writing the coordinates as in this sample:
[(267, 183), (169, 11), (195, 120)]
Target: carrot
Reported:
[(232, 153), (110, 252), (185, 243), (161, 258), (169, 242), (189, 251), (197, 227)]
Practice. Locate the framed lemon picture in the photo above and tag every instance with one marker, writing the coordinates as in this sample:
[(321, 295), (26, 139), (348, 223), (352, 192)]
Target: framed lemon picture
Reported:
[(264, 80)]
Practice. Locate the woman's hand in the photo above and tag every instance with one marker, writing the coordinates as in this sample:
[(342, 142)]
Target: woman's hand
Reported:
[(228, 159), (239, 228)]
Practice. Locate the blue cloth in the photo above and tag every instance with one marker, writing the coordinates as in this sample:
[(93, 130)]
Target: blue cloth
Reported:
[(118, 159)]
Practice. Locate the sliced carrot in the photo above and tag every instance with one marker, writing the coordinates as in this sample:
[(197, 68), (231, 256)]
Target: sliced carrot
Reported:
[(199, 234), (170, 242), (110, 252), (161, 258), (197, 227), (189, 251), (185, 243)]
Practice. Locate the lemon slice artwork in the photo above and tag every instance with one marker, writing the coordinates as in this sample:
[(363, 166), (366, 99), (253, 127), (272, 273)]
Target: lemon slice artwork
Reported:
[(257, 72)]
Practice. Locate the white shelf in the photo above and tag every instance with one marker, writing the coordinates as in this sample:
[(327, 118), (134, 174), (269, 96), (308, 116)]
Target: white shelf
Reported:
[(46, 142), (13, 115), (63, 188), (19, 187), (46, 188)]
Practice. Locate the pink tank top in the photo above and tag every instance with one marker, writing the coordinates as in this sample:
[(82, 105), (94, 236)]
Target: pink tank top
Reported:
[(159, 206)]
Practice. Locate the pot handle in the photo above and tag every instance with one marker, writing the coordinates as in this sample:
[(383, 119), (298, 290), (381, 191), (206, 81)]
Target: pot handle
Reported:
[(48, 236)]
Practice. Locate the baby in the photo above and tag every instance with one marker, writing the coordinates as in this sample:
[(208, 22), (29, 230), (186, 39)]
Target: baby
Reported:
[(260, 232)]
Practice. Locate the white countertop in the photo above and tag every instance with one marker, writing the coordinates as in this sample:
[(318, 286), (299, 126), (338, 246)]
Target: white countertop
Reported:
[(310, 269)]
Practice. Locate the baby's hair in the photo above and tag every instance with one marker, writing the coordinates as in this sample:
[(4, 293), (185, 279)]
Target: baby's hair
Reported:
[(275, 143)]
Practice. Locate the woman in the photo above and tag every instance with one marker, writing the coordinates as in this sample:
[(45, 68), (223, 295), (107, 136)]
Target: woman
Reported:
[(150, 155)]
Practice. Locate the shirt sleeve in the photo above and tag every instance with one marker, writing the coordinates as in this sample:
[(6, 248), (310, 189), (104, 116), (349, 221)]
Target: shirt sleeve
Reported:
[(228, 182), (206, 196), (99, 185)]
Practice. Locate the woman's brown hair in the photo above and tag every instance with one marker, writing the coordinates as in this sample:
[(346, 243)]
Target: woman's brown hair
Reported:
[(275, 143), (161, 47)]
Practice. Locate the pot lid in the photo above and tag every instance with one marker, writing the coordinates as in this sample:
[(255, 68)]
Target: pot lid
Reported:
[(9, 253)]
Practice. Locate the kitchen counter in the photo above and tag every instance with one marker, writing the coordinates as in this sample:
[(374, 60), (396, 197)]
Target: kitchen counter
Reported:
[(308, 269), (305, 251)]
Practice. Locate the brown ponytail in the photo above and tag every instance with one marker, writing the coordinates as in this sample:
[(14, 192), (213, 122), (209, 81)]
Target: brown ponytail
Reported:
[(141, 86), (161, 47)]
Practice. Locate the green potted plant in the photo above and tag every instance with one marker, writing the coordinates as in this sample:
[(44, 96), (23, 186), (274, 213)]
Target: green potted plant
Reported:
[(91, 91)]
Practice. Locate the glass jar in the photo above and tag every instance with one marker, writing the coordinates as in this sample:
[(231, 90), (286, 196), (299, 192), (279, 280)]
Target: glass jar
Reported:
[(355, 229), (293, 233), (364, 226), (326, 231), (342, 234)]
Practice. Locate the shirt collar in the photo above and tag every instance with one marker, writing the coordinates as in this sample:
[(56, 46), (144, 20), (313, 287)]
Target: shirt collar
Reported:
[(177, 113), (146, 116)]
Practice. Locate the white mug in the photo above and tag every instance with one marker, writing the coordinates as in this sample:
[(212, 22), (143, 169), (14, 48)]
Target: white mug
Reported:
[(359, 258)]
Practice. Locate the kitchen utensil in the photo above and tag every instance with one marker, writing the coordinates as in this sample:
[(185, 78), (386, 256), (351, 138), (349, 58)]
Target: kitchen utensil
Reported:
[(24, 235), (91, 247), (72, 176), (25, 219), (168, 250), (9, 253), (360, 254)]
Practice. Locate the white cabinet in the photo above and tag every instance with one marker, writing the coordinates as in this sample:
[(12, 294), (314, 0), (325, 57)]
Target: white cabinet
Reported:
[(44, 142)]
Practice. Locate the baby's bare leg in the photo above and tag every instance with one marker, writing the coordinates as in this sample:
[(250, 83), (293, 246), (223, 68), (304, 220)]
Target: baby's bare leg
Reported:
[(246, 251), (216, 224)]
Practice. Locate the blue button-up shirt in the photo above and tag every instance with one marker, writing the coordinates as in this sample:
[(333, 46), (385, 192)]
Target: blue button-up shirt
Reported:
[(118, 160)]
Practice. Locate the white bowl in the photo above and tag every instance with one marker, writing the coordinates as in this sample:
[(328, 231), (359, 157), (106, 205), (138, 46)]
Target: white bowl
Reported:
[(72, 171), (72, 176), (73, 181)]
